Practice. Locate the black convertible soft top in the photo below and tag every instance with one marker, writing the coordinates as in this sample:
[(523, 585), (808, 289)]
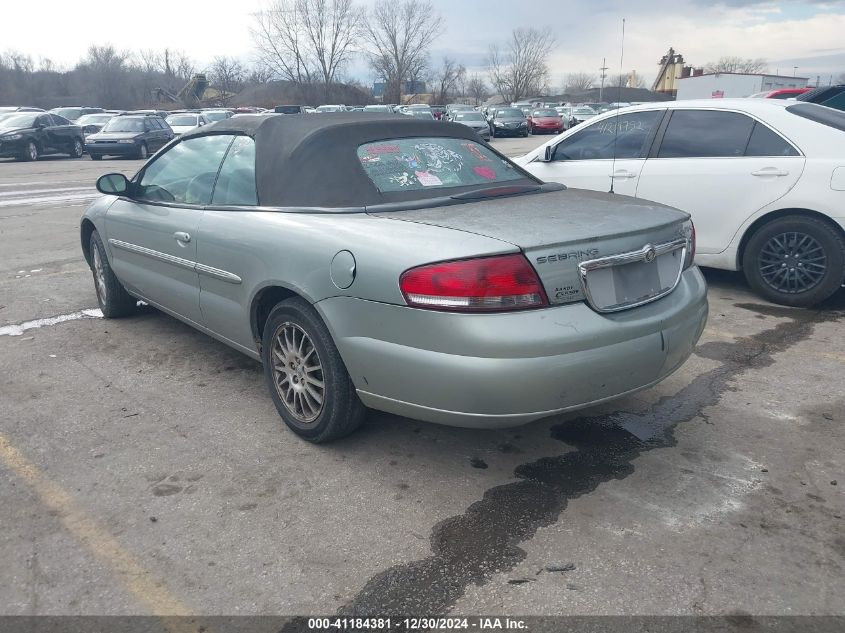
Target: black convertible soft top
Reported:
[(311, 160)]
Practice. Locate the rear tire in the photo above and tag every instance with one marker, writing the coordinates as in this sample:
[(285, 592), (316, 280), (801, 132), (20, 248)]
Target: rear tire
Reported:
[(111, 295), (795, 261), (305, 374)]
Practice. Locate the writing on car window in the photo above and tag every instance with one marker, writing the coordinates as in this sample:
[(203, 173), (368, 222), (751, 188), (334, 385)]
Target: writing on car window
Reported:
[(421, 163)]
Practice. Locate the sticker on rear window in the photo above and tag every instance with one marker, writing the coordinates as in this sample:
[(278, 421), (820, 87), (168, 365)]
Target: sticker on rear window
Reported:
[(424, 163)]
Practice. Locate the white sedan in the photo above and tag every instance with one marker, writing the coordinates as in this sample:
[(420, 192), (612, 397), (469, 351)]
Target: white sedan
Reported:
[(763, 179), (184, 121)]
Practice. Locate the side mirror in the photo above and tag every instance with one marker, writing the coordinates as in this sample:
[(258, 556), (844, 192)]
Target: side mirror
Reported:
[(113, 184), (548, 154)]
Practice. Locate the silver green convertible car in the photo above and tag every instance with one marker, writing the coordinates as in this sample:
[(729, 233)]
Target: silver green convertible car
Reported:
[(401, 265)]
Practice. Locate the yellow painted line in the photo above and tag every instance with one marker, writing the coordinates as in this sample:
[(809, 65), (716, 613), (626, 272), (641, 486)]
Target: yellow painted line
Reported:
[(141, 583)]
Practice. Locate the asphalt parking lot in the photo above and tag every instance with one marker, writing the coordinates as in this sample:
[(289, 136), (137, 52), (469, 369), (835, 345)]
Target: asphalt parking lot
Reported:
[(144, 470)]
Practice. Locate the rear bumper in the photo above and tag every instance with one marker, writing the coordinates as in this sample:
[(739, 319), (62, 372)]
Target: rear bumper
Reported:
[(501, 370)]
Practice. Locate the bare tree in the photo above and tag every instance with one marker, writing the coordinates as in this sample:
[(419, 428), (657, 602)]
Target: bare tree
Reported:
[(737, 65), (227, 74), (331, 29), (106, 69), (447, 78), (579, 82), (520, 69), (398, 33), (280, 44), (477, 89)]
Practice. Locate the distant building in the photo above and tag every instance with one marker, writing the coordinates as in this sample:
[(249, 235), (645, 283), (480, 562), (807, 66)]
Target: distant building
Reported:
[(410, 87), (671, 70), (727, 85)]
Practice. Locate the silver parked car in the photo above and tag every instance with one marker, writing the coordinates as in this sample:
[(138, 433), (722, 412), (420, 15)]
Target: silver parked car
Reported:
[(398, 264), (474, 120)]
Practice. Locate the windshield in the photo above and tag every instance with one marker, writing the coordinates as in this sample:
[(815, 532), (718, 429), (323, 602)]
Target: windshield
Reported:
[(541, 113), (95, 119), (509, 113), (20, 120), (469, 116), (410, 164), (182, 119), (216, 116), (124, 124), (68, 113)]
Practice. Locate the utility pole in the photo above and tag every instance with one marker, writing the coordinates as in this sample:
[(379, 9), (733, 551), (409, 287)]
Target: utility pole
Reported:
[(603, 70)]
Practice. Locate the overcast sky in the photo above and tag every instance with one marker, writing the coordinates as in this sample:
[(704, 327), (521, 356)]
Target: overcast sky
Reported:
[(807, 34)]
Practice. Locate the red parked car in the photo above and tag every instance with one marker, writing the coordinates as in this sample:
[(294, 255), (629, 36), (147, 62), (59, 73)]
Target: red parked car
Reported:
[(782, 93), (545, 121)]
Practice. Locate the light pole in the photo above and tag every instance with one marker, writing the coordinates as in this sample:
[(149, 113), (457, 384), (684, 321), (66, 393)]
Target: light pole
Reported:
[(603, 75), (794, 70)]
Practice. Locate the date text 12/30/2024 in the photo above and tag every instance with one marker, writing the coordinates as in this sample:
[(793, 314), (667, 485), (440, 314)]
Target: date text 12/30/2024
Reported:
[(416, 624)]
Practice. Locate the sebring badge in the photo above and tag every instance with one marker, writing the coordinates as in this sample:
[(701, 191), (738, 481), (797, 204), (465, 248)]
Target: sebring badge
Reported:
[(650, 254)]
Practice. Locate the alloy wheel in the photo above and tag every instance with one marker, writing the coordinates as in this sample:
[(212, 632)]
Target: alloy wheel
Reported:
[(298, 372), (99, 276), (77, 148), (32, 150), (792, 262)]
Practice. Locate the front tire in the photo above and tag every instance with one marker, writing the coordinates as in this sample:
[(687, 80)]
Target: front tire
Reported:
[(795, 261), (308, 381), (111, 295), (78, 148), (143, 152), (30, 152)]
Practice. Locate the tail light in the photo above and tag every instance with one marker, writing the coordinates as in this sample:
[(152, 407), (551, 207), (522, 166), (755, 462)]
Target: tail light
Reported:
[(484, 284), (690, 245)]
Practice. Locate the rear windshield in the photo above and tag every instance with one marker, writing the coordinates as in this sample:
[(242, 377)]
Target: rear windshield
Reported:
[(411, 164), (819, 114)]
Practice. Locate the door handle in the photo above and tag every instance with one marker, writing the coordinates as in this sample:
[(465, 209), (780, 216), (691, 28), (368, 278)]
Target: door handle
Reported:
[(181, 236), (623, 173), (770, 171)]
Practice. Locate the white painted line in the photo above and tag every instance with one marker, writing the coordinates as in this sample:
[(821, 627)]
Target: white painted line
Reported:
[(47, 200), (20, 328), (35, 192)]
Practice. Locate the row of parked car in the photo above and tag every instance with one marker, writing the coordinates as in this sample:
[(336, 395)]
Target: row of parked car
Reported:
[(28, 133)]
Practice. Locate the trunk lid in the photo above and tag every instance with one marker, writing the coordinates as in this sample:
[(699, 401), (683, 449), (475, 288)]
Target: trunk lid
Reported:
[(559, 230)]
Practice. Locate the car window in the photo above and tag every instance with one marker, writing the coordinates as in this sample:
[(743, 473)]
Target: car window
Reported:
[(421, 163), (826, 116), (59, 120), (601, 140), (706, 134), (44, 119), (837, 101), (186, 172), (236, 182), (765, 142)]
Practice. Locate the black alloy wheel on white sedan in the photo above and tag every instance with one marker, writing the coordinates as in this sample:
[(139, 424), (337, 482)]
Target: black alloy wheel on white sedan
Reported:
[(795, 260)]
